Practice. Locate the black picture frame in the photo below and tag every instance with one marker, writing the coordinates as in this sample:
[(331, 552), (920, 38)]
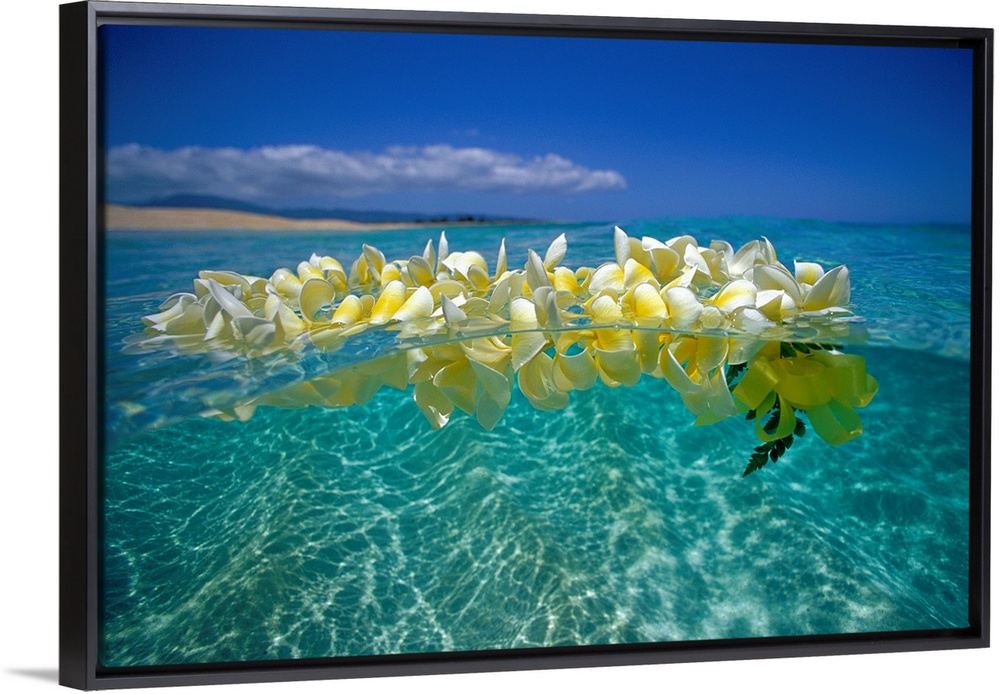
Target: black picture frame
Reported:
[(81, 226)]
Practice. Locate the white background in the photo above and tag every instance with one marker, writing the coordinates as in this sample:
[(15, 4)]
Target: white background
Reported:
[(29, 385)]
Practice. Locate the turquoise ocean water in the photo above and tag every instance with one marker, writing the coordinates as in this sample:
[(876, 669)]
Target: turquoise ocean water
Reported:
[(359, 531)]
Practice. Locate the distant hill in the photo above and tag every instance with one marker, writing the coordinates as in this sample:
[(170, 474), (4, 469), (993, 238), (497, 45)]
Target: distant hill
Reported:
[(212, 202)]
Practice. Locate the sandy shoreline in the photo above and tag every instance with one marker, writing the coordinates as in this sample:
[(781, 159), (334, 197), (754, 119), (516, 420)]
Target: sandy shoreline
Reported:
[(119, 217)]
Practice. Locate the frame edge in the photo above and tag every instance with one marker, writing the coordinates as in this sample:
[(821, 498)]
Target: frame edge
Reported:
[(76, 416)]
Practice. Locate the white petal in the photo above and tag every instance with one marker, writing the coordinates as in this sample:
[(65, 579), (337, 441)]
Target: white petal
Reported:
[(546, 310), (442, 252), (556, 252), (536, 274), (622, 247), (608, 276), (833, 289), (776, 277), (683, 306), (452, 313), (229, 303), (734, 295), (501, 260)]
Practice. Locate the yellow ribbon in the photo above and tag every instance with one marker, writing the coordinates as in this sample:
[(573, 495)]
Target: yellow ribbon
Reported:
[(826, 385), (756, 384)]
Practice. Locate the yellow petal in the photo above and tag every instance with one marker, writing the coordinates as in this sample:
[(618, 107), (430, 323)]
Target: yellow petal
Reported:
[(428, 254), (286, 283), (751, 320), (634, 273), (536, 383), (375, 259), (478, 278), (169, 309), (349, 311), (720, 400), (775, 304), (564, 280), (711, 352), (420, 271), (756, 384), (389, 273), (226, 278), (493, 397), (501, 295), (490, 351), (256, 332), (676, 376), (389, 301), (711, 318), (618, 366), (808, 273), (285, 320), (445, 287), (693, 258), (647, 343), (317, 295), (744, 259), (574, 372), (546, 309), (456, 381), (786, 419), (307, 271), (648, 303), (605, 311), (442, 252), (526, 342), (420, 304), (801, 382)]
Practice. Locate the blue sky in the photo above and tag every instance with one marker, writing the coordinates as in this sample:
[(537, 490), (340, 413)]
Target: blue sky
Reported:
[(559, 128)]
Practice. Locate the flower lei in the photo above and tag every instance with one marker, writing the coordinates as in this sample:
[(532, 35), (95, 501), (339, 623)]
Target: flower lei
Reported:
[(716, 324)]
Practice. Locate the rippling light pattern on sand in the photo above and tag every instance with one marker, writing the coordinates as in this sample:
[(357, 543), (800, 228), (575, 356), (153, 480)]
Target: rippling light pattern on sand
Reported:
[(350, 531)]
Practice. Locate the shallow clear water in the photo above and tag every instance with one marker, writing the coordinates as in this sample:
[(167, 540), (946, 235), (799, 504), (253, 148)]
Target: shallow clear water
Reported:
[(310, 533)]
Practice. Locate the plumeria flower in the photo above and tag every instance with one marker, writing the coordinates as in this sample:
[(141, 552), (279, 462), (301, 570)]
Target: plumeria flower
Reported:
[(671, 310)]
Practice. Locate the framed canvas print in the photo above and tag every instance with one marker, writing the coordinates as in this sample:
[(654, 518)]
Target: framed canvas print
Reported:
[(420, 342)]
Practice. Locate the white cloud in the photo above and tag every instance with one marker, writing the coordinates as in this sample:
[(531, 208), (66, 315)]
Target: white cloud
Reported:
[(135, 172)]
